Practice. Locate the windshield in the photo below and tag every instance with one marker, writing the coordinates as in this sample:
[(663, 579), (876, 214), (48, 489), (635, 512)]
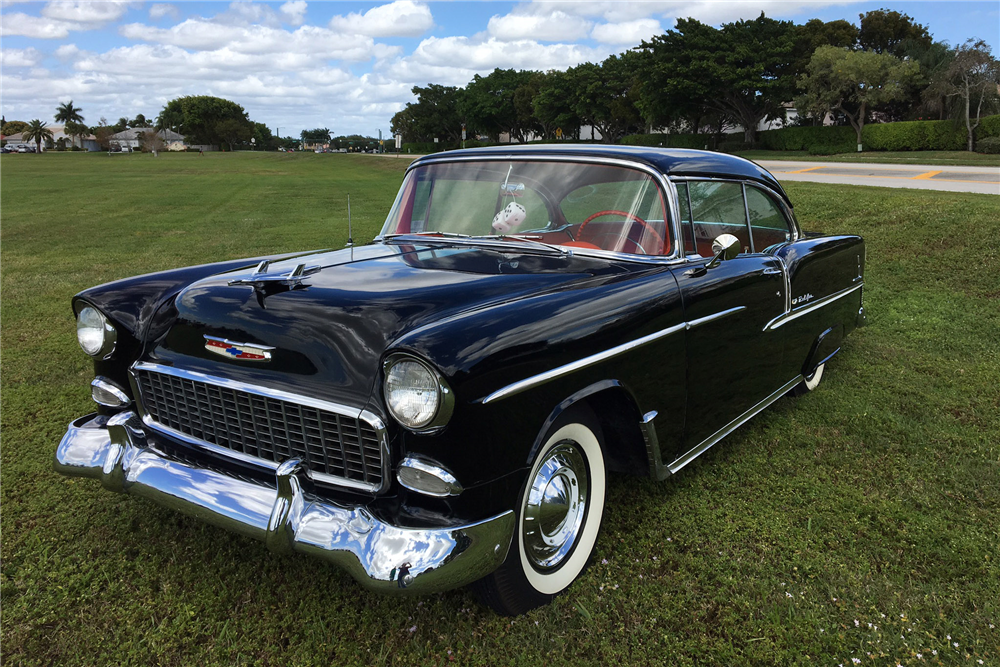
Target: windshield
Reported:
[(565, 204)]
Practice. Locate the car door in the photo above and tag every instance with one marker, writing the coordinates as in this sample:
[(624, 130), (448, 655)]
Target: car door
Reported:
[(733, 364)]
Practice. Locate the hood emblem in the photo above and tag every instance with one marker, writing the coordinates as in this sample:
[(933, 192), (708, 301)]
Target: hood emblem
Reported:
[(234, 350), (261, 278)]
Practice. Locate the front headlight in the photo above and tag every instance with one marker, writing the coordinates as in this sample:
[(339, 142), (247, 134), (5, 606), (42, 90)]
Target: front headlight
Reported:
[(416, 395), (96, 335)]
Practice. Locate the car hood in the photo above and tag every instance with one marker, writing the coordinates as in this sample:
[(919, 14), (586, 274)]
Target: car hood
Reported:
[(331, 332)]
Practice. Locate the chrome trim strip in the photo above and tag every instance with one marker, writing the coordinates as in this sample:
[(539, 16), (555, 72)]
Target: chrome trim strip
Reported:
[(785, 318), (454, 488), (364, 415), (548, 376), (707, 443), (104, 384), (583, 159), (379, 555)]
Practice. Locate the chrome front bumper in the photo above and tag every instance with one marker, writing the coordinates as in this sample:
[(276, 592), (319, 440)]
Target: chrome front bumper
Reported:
[(382, 557)]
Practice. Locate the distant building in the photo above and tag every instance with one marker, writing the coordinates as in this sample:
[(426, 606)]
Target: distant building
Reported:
[(89, 142), (131, 139)]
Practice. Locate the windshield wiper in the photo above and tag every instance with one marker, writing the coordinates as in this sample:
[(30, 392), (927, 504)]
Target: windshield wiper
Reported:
[(453, 235), (532, 240)]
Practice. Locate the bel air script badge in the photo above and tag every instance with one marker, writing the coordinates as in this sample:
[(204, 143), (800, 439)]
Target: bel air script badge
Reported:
[(802, 299), (244, 351)]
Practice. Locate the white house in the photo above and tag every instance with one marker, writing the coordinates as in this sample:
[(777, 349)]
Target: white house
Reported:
[(131, 139)]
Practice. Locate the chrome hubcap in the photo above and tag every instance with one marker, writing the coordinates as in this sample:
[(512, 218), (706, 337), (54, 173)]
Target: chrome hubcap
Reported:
[(556, 507)]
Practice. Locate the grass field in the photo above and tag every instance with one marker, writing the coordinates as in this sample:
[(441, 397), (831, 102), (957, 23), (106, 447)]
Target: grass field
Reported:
[(946, 158), (858, 523)]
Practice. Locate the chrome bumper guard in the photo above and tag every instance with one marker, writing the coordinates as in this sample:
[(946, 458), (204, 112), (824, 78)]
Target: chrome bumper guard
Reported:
[(380, 556)]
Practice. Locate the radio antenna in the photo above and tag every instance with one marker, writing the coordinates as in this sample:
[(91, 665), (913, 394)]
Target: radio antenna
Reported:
[(350, 234)]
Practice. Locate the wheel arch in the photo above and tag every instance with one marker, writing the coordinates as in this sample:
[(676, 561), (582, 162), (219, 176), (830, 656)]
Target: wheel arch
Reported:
[(615, 410)]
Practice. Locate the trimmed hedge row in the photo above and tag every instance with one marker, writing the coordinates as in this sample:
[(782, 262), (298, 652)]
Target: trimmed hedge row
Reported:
[(918, 135)]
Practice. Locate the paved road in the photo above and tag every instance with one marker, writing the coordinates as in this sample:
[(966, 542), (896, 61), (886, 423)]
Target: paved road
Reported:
[(923, 177)]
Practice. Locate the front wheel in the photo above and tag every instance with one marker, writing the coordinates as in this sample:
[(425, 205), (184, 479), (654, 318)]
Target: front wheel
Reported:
[(558, 519)]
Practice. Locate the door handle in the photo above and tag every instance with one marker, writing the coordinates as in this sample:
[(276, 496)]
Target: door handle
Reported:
[(771, 272)]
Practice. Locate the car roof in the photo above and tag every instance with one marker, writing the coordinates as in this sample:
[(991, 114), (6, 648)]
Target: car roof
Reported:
[(669, 161)]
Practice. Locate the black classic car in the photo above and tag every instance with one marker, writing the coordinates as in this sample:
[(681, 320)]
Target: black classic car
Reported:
[(442, 406)]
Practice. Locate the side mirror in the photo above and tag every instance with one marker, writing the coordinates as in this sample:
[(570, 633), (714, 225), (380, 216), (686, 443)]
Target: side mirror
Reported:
[(725, 246)]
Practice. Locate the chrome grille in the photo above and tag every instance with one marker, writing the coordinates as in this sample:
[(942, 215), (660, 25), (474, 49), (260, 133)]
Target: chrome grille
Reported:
[(264, 427)]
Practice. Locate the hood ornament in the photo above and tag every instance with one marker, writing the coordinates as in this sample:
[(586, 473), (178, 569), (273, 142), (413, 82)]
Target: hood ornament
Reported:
[(265, 284), (234, 350), (261, 278)]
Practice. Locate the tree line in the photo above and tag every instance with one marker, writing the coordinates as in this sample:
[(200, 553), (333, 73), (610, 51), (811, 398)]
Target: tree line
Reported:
[(698, 78)]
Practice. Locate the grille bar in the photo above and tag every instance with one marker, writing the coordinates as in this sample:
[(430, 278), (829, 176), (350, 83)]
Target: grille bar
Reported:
[(264, 425)]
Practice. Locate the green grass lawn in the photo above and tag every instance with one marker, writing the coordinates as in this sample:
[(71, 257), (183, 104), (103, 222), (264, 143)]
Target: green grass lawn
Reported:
[(946, 158), (859, 522)]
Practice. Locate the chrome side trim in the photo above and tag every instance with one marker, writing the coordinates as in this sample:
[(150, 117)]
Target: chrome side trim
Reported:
[(548, 376), (372, 420), (381, 556), (657, 470), (785, 318), (707, 443)]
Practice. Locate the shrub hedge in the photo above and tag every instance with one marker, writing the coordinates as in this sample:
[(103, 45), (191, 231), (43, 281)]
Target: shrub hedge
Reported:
[(989, 145), (918, 135)]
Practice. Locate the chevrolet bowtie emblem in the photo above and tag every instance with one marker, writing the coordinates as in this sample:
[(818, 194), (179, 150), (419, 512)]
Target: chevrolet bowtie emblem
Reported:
[(244, 351)]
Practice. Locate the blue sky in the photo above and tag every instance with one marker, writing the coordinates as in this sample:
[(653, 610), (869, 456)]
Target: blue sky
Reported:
[(349, 66)]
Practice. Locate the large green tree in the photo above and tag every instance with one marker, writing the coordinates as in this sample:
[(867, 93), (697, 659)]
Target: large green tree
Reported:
[(970, 82), (198, 117), (744, 71), (851, 82), (885, 31), (319, 135), (14, 127), (67, 113), (38, 133), (554, 106), (234, 131), (606, 96), (815, 33), (489, 105), (436, 114)]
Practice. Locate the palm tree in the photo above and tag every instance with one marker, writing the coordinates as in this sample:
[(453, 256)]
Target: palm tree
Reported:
[(67, 113), (36, 132)]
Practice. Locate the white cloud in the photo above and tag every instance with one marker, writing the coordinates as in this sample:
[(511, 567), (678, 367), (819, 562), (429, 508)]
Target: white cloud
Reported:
[(491, 53), (20, 57), (35, 27), (158, 10), (403, 18), (202, 35), (80, 11), (629, 33), (68, 52), (557, 26), (294, 11)]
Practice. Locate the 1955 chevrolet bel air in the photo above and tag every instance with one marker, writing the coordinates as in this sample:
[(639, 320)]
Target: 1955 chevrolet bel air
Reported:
[(442, 406)]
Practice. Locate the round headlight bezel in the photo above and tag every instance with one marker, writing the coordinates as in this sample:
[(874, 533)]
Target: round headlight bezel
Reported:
[(445, 396), (108, 333)]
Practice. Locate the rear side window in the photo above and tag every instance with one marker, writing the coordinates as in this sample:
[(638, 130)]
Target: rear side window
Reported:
[(768, 224), (717, 208)]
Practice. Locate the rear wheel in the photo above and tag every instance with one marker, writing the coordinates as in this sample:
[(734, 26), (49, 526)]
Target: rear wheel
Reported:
[(809, 383), (558, 519)]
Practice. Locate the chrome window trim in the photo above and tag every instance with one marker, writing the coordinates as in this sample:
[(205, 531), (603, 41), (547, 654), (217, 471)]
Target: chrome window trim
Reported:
[(658, 177), (793, 223), (565, 369), (787, 317), (355, 413)]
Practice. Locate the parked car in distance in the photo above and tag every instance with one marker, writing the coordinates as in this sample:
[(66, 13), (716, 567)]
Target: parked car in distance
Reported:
[(442, 406)]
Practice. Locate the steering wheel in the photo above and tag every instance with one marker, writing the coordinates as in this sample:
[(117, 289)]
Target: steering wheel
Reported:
[(627, 216)]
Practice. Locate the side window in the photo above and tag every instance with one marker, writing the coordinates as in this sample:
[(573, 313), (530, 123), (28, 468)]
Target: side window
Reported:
[(687, 225), (767, 222), (717, 208)]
